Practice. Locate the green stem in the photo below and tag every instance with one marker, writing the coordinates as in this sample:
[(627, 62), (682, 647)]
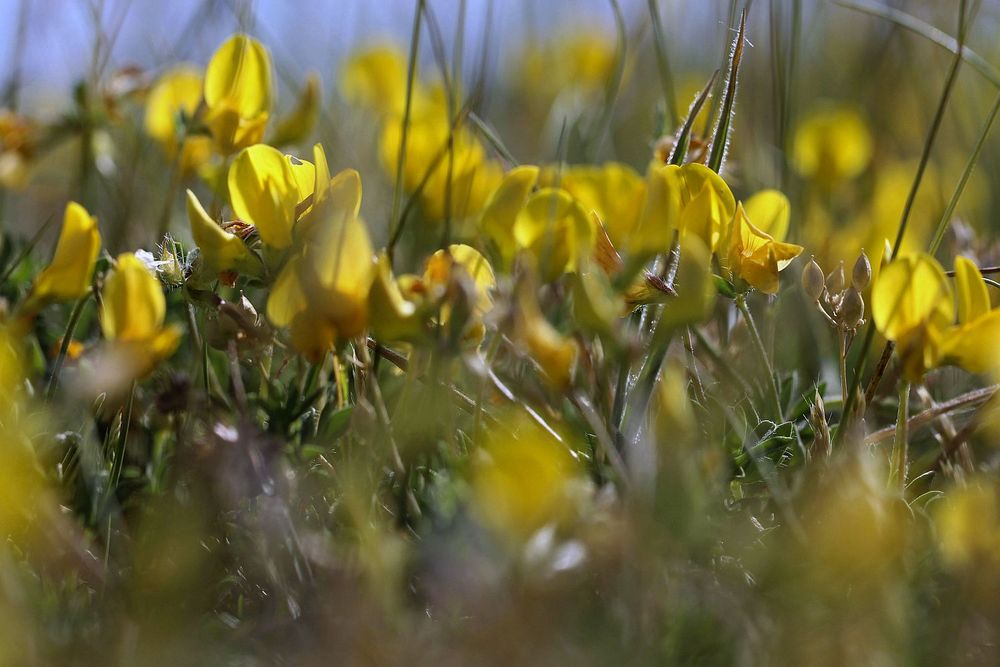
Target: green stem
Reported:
[(397, 192), (900, 447), (758, 342), (74, 318), (842, 344)]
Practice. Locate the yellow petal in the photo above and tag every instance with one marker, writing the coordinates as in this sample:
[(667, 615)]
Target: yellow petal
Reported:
[(220, 250), (910, 293), (68, 275), (133, 306), (614, 190), (973, 345), (504, 204), (660, 213), (299, 124), (391, 315), (376, 78), (832, 145), (557, 231), (178, 90), (287, 298), (263, 191), (769, 211), (972, 295), (239, 77)]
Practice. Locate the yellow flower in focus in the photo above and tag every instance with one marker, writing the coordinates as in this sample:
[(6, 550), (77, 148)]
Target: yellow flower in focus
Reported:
[(321, 294), (707, 205), (832, 146), (522, 482), (912, 306), (178, 90), (67, 276), (376, 78), (556, 230), (972, 344), (265, 187), (220, 250), (754, 256), (238, 93), (132, 314)]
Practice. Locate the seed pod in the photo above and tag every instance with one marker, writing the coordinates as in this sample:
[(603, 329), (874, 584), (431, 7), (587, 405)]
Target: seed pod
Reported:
[(812, 280), (852, 310), (835, 282), (861, 275)]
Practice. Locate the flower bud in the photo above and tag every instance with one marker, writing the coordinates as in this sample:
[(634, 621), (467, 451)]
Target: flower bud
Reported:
[(835, 282), (852, 310), (812, 280), (861, 275)]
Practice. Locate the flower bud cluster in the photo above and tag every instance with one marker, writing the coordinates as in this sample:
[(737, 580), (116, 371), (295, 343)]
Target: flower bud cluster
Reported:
[(839, 302)]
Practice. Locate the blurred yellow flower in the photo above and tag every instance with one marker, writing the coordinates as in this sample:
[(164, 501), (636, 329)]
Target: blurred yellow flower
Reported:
[(238, 93), (613, 190), (133, 309), (321, 294), (503, 206), (375, 78), (583, 59), (301, 121), (461, 262), (179, 90), (429, 163), (832, 146), (968, 526), (555, 353), (219, 249), (67, 276), (522, 482), (754, 256), (556, 230), (265, 187)]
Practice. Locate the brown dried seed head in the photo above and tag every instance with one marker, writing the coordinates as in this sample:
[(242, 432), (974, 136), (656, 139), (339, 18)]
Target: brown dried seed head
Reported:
[(812, 280), (861, 275), (836, 282), (852, 310)]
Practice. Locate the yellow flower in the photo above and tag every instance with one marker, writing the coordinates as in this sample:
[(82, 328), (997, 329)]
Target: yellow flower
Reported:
[(376, 78), (178, 90), (968, 526), (132, 313), (556, 230), (321, 293), (428, 164), (460, 262), (754, 256), (67, 276), (522, 482), (770, 212), (265, 187), (613, 190), (220, 250), (707, 204), (555, 353), (300, 123), (912, 306), (972, 344), (392, 316), (238, 93), (503, 206), (832, 146)]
